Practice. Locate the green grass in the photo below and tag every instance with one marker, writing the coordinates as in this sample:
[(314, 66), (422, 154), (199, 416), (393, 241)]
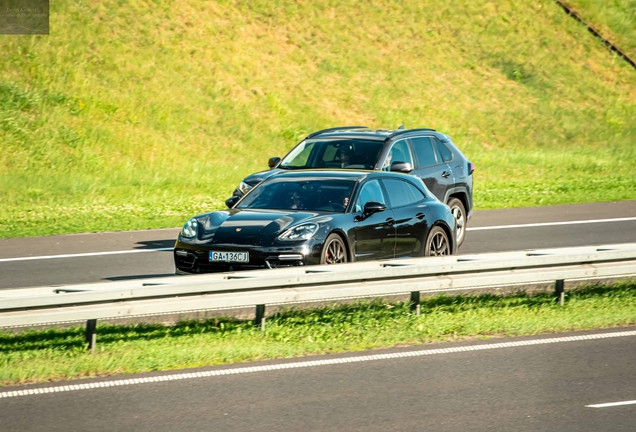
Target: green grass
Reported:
[(140, 115), (58, 354), (615, 19)]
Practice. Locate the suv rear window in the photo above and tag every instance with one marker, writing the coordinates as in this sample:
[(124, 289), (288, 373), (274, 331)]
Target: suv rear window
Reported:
[(447, 154)]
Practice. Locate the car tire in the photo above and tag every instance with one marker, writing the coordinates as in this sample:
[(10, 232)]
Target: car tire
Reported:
[(437, 243), (459, 213), (333, 250)]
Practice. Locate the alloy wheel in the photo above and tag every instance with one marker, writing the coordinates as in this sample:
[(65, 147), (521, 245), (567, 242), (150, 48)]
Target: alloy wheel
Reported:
[(335, 252), (438, 244), (459, 213)]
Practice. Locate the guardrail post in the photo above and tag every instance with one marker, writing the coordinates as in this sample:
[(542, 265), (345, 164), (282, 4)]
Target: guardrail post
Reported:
[(415, 302), (91, 334), (559, 291), (260, 316)]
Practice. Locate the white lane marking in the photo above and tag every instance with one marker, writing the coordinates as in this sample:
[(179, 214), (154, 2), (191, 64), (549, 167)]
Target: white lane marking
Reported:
[(468, 229), (306, 364), (84, 254), (611, 404), (542, 224)]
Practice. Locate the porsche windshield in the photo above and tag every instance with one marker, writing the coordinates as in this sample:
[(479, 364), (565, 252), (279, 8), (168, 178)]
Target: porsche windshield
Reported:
[(312, 195), (333, 153)]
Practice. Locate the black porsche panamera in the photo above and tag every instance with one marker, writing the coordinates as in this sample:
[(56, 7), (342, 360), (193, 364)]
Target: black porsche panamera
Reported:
[(299, 218)]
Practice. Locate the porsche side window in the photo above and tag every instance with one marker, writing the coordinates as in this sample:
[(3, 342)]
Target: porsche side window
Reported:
[(371, 191), (402, 193), (424, 151)]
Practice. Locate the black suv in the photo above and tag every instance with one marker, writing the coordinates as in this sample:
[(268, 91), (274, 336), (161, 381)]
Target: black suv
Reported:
[(426, 153)]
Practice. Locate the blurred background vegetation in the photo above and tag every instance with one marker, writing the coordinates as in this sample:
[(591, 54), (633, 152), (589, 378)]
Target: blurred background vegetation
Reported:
[(139, 115)]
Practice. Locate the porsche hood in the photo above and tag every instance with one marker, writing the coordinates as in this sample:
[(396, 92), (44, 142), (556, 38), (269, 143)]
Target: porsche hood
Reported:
[(247, 227)]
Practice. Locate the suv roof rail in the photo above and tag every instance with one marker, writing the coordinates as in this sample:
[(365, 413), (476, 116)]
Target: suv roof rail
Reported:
[(335, 129), (403, 131)]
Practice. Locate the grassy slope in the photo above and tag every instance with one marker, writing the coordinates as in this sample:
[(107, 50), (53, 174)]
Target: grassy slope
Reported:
[(615, 19), (140, 115)]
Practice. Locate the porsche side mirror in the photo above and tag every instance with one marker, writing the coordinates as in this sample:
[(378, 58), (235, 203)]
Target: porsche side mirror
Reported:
[(403, 167), (273, 161), (372, 207), (231, 201)]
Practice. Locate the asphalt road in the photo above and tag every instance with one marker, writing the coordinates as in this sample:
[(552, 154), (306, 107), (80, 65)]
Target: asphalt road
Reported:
[(539, 387), (454, 387), (85, 258)]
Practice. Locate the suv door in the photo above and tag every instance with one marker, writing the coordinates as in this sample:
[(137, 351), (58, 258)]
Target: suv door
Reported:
[(374, 234), (430, 167)]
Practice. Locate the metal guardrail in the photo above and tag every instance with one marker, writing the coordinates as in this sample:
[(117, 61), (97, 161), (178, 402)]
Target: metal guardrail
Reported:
[(305, 284)]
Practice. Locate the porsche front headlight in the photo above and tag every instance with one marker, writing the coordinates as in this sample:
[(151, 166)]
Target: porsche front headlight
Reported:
[(300, 232), (189, 230), (244, 187)]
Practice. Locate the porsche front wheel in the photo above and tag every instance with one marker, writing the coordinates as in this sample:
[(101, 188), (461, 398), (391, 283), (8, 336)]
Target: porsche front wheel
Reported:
[(333, 251)]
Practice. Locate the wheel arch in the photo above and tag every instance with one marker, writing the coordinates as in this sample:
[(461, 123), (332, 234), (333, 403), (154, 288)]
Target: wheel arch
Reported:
[(462, 195), (453, 242), (345, 240)]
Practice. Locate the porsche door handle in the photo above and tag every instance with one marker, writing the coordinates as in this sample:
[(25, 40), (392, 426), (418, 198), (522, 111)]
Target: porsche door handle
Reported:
[(445, 174), (420, 215), (390, 222)]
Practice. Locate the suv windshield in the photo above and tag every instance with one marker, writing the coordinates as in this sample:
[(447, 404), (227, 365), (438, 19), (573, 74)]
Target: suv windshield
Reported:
[(313, 195), (333, 153)]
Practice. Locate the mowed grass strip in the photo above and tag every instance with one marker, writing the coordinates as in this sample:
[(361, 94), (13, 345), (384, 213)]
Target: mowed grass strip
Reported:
[(142, 116), (60, 354)]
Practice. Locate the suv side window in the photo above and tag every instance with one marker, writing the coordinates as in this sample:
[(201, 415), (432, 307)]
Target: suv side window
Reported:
[(371, 191), (424, 151), (402, 193), (400, 152), (447, 154)]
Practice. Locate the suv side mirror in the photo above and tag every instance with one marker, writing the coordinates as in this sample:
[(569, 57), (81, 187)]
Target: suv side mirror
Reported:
[(231, 201), (273, 161), (403, 167)]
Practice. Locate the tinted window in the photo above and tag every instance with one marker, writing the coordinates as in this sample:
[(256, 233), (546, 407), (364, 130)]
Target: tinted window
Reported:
[(400, 152), (299, 156), (424, 151), (402, 193), (447, 154), (371, 191), (299, 194), (437, 153), (334, 153)]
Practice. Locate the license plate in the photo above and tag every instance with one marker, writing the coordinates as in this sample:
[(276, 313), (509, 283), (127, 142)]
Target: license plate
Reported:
[(241, 257)]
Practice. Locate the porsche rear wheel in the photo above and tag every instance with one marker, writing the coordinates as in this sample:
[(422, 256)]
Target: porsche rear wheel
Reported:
[(333, 251), (437, 243)]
